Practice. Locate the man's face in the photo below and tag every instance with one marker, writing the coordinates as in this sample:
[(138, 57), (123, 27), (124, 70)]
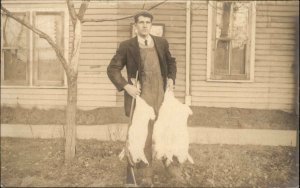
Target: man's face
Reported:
[(143, 26)]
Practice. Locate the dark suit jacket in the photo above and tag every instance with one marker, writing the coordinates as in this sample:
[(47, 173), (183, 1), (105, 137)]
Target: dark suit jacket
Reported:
[(128, 54)]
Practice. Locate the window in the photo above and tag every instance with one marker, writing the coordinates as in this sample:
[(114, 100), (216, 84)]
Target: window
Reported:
[(29, 60), (231, 40), (15, 51), (47, 67)]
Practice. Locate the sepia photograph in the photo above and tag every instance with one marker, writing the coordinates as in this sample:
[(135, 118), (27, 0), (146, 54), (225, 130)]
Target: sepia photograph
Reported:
[(149, 93)]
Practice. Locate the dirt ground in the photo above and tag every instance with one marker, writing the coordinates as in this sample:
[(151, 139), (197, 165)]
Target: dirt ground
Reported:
[(202, 116), (39, 162)]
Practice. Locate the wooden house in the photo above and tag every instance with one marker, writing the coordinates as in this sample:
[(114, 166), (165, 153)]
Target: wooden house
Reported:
[(229, 54)]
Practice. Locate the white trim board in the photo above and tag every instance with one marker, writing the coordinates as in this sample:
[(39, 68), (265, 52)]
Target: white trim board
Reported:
[(198, 135)]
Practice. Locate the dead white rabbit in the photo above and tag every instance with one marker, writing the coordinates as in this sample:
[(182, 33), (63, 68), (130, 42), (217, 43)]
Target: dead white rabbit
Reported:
[(138, 130), (170, 133)]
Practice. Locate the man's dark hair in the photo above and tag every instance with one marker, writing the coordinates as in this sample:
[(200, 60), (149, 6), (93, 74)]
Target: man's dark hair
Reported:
[(143, 13)]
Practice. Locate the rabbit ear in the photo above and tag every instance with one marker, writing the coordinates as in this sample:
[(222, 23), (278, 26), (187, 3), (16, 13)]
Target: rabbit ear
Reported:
[(190, 159), (189, 110)]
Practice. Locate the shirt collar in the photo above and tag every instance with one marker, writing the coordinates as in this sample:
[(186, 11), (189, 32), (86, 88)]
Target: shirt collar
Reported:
[(142, 41)]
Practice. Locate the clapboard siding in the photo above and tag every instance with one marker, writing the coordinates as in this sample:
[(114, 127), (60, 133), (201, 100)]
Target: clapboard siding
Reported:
[(274, 35), (198, 50), (30, 97), (173, 15), (98, 46), (274, 81)]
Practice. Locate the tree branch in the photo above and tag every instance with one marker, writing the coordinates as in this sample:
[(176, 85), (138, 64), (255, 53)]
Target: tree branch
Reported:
[(104, 20), (83, 7), (4, 31), (158, 4), (144, 4), (72, 11), (122, 18), (73, 63), (41, 35)]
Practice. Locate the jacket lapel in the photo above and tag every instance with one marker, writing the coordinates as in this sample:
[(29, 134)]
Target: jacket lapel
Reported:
[(135, 51), (160, 50), (158, 47)]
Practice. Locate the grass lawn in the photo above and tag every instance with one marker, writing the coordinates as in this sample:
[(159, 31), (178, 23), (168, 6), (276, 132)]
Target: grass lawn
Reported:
[(39, 162)]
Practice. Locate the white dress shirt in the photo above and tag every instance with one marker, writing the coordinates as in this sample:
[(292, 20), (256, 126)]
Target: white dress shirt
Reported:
[(141, 42)]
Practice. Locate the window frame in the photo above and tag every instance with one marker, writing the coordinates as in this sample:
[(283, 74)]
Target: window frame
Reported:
[(250, 54), (57, 9), (9, 82), (35, 64)]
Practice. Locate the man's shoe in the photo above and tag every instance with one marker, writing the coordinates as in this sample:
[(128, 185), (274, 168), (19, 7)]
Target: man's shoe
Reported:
[(175, 173), (141, 165), (146, 182), (145, 177)]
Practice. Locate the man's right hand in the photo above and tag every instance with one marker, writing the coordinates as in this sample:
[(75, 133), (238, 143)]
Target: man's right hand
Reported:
[(132, 90)]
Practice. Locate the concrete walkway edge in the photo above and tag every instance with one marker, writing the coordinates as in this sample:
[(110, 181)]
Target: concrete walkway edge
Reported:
[(199, 135)]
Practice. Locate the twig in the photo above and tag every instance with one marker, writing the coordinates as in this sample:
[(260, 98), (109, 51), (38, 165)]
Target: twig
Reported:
[(83, 7), (122, 18), (72, 11)]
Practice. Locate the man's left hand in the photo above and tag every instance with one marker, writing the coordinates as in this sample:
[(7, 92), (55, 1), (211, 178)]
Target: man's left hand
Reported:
[(170, 84)]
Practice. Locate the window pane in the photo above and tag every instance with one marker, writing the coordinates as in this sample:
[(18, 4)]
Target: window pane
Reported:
[(15, 51), (231, 36), (222, 58), (238, 59), (14, 67), (48, 69), (240, 36), (222, 50)]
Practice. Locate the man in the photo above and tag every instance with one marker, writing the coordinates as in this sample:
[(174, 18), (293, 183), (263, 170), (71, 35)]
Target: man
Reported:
[(150, 56)]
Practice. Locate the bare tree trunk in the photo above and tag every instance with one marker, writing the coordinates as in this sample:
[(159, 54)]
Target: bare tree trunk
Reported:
[(70, 132)]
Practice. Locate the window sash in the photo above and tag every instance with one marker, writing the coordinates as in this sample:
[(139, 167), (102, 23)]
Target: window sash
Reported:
[(230, 75), (10, 48), (36, 63)]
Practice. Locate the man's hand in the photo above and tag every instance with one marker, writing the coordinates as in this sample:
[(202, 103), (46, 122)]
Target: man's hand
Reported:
[(170, 84), (132, 90)]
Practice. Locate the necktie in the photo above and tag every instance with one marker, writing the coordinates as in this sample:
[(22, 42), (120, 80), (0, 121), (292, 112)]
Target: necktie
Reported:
[(146, 43)]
